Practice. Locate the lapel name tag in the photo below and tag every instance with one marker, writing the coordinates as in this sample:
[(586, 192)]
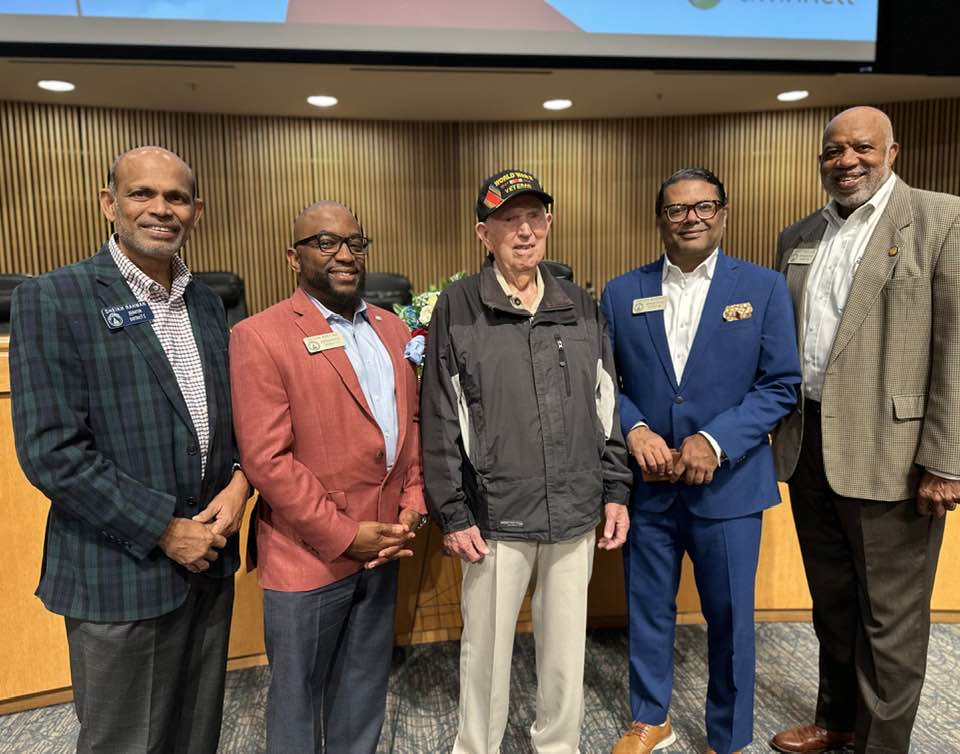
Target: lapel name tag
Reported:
[(649, 304), (318, 343), (803, 255), (118, 317), (738, 311)]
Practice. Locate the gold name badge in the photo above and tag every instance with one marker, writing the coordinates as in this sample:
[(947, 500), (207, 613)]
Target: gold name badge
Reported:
[(803, 255), (649, 304), (318, 343)]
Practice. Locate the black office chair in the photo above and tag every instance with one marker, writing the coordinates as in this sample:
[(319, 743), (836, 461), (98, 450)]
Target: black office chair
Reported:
[(229, 287), (559, 270), (7, 284), (385, 289)]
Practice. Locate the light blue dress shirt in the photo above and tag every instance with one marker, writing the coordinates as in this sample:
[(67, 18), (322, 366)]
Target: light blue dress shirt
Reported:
[(374, 370)]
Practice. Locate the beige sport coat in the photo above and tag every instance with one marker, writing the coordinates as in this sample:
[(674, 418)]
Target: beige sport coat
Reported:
[(891, 393)]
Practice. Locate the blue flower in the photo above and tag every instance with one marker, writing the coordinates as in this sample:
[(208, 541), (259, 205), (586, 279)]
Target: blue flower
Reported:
[(415, 349)]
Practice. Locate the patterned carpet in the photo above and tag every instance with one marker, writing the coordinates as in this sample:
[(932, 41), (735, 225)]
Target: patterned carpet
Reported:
[(422, 703)]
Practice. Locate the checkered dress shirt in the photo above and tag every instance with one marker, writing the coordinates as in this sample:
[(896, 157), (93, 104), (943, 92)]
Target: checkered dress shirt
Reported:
[(171, 324)]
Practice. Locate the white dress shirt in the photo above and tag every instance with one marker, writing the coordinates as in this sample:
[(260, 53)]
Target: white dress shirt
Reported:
[(686, 294), (830, 278)]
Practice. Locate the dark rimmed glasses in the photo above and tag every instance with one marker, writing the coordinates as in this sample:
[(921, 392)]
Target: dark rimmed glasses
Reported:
[(329, 244), (704, 210)]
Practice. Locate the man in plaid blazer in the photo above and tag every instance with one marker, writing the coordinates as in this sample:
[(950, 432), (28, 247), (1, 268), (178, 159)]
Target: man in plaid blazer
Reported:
[(121, 413), (872, 454)]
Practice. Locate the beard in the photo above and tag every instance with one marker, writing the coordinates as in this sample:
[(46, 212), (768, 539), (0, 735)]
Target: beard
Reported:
[(874, 179), (338, 299)]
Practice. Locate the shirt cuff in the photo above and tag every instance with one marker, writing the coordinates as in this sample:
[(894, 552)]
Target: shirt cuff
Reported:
[(713, 444), (944, 475)]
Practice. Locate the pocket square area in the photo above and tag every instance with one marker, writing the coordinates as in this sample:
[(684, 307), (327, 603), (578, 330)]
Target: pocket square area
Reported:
[(738, 311)]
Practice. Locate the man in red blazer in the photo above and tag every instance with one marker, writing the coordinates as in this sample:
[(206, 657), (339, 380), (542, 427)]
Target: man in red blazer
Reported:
[(326, 421)]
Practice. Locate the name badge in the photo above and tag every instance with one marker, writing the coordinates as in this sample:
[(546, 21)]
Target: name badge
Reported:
[(649, 304), (118, 317), (318, 343), (803, 255)]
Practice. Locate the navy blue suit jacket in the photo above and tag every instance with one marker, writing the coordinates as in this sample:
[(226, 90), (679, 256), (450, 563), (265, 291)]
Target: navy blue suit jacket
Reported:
[(741, 377)]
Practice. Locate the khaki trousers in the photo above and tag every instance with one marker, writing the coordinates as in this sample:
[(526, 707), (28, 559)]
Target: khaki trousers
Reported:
[(492, 593)]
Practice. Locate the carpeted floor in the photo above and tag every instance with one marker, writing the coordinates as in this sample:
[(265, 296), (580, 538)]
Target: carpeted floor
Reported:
[(422, 703)]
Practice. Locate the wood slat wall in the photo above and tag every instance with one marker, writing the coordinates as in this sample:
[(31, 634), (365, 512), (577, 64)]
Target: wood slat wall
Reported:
[(414, 184)]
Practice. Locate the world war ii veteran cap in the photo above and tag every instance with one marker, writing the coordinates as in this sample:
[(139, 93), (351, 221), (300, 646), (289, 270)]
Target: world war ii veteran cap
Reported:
[(504, 186)]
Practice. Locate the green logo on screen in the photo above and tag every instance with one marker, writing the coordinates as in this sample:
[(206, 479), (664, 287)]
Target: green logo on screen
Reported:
[(704, 4)]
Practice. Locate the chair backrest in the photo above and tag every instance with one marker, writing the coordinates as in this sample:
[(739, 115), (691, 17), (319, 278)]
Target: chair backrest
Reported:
[(229, 287), (7, 284), (559, 269), (386, 289)]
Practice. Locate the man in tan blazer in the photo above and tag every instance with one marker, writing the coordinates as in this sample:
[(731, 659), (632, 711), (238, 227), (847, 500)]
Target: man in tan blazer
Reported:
[(872, 453), (327, 426)]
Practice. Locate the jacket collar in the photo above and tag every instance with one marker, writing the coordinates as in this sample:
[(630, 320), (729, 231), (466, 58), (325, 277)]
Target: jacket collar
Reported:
[(555, 305)]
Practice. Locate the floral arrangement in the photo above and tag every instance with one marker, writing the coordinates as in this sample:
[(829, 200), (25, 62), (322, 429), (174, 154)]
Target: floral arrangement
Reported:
[(417, 315)]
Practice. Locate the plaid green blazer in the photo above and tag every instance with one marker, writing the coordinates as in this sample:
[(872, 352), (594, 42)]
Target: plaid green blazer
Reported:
[(102, 429)]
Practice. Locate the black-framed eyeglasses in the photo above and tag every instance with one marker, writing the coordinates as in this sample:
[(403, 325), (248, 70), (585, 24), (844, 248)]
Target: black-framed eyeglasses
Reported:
[(329, 244), (705, 210)]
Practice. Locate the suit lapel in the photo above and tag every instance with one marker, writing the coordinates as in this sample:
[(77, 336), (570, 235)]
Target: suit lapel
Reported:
[(875, 268), (797, 274), (651, 284), (200, 325), (114, 291), (312, 322), (401, 367), (725, 275)]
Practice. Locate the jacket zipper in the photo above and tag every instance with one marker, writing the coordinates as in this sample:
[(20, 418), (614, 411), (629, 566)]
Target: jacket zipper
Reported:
[(563, 363)]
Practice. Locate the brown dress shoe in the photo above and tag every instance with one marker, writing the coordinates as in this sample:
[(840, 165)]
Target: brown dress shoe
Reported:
[(642, 738), (810, 739)]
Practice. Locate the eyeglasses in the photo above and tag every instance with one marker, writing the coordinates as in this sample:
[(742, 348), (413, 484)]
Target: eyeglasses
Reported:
[(704, 210), (329, 244)]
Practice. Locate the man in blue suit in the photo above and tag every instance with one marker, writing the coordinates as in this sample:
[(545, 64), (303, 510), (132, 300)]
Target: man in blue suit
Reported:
[(705, 349)]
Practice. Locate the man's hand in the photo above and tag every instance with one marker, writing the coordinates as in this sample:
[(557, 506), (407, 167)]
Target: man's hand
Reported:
[(224, 514), (697, 461), (466, 544), (409, 519), (650, 451), (376, 543), (936, 495), (616, 524), (191, 544)]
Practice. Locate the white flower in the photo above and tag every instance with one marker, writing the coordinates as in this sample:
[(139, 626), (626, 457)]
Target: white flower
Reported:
[(425, 314)]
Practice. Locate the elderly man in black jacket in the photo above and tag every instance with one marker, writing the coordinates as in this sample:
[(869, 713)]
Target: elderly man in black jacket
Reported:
[(523, 458)]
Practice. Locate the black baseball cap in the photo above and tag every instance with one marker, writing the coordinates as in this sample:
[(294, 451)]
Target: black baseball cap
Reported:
[(501, 187)]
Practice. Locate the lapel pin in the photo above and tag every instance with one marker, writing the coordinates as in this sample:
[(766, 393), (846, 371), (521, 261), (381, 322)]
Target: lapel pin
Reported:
[(892, 251), (377, 317)]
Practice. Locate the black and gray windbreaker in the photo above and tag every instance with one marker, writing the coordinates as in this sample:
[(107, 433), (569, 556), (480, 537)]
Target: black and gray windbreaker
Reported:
[(518, 413)]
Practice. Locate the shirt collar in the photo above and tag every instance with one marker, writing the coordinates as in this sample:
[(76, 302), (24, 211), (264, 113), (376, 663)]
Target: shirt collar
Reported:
[(876, 203), (706, 268), (331, 315), (139, 281), (508, 291)]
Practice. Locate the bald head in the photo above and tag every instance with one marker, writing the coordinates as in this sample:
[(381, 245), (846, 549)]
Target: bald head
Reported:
[(314, 215), (857, 157), (162, 155), (861, 117)]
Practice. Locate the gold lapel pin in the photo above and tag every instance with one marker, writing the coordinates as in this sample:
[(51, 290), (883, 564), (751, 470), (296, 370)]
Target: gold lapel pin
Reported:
[(892, 251)]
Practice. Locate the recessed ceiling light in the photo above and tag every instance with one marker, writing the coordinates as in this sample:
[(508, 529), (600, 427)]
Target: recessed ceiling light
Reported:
[(52, 85), (558, 104), (794, 95), (322, 100)]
